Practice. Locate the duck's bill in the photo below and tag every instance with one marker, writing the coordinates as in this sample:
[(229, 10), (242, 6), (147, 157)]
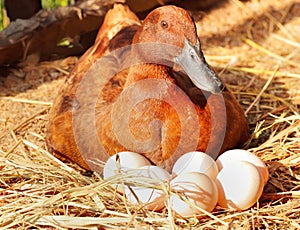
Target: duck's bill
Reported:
[(193, 63)]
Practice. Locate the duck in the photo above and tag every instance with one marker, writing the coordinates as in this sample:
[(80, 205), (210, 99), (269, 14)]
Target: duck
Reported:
[(144, 87)]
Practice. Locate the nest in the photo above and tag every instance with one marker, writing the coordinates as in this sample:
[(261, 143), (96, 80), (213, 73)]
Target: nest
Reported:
[(253, 45)]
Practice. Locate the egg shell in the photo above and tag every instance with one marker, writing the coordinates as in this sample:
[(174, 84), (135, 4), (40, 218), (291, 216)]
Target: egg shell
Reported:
[(120, 163), (152, 198), (235, 155), (193, 188), (196, 162), (239, 186)]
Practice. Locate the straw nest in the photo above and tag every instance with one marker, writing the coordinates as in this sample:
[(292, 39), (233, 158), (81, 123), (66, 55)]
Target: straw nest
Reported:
[(253, 45)]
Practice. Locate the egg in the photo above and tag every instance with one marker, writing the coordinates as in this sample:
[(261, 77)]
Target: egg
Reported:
[(149, 177), (196, 162), (239, 186), (121, 162), (191, 190), (235, 155)]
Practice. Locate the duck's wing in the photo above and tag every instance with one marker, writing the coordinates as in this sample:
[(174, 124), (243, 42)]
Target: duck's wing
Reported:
[(117, 30)]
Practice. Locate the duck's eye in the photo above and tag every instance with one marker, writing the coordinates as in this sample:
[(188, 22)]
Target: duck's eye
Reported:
[(164, 24)]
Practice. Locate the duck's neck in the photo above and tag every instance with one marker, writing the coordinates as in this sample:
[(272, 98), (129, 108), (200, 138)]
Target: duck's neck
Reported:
[(138, 73), (148, 71)]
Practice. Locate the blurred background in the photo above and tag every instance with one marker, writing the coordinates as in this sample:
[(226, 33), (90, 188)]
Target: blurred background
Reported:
[(20, 4), (13, 9)]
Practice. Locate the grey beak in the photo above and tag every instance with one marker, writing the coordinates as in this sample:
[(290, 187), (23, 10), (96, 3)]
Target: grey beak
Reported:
[(193, 63)]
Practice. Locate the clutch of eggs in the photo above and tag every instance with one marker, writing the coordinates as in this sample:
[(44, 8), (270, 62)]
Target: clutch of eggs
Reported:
[(198, 182)]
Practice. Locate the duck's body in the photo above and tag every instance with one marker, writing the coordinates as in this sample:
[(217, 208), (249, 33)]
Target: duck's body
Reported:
[(137, 99)]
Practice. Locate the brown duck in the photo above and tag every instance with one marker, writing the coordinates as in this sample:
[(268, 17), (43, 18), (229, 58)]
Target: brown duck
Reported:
[(144, 87)]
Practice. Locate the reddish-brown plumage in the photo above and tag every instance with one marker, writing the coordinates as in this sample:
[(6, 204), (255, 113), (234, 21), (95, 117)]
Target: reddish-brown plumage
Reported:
[(151, 107)]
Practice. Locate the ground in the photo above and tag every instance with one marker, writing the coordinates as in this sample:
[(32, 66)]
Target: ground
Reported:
[(253, 45)]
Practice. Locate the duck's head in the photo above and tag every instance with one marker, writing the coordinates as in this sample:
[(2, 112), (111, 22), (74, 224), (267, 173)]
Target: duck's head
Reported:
[(171, 38)]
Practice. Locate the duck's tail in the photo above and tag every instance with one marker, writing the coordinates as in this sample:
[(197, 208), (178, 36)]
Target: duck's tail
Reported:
[(117, 18)]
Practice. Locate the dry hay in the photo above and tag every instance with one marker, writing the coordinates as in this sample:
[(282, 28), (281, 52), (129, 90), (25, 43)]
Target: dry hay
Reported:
[(253, 45)]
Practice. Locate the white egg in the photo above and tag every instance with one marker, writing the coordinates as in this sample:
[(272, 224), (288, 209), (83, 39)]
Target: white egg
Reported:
[(192, 190), (144, 189), (121, 162), (239, 186), (196, 162), (235, 155)]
